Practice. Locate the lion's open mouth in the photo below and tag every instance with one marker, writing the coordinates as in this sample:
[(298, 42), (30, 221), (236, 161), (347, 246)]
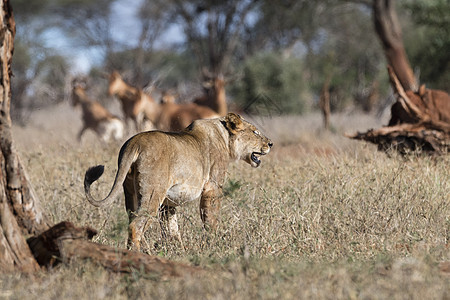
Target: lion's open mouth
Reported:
[(255, 158)]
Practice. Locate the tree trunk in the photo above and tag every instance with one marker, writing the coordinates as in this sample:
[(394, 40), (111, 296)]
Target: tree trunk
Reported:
[(324, 103), (20, 212), (390, 34)]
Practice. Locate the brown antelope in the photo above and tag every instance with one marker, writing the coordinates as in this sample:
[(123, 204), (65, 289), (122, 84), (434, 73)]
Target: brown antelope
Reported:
[(171, 116), (95, 116), (214, 94), (133, 100), (168, 115), (167, 97)]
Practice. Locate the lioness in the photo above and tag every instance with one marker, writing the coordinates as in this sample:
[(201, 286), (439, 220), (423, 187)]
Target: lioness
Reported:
[(161, 170)]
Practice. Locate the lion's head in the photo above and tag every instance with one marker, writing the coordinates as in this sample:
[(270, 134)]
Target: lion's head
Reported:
[(246, 141)]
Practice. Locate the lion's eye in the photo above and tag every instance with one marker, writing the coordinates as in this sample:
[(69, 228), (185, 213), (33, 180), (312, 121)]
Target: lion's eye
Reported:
[(257, 132)]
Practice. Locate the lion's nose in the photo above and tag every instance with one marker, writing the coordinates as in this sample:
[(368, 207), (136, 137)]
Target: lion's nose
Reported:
[(270, 144)]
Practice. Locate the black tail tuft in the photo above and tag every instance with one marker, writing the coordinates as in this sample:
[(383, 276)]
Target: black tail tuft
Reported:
[(92, 174)]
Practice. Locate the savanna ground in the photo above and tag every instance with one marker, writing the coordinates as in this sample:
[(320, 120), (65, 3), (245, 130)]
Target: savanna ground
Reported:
[(324, 217)]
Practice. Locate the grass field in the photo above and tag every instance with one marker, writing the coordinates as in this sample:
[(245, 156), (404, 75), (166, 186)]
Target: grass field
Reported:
[(324, 217)]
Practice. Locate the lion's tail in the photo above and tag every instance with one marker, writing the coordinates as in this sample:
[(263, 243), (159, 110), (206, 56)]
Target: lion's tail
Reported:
[(94, 173)]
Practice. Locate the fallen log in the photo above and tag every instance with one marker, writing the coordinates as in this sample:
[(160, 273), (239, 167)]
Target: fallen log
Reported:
[(64, 243), (407, 138), (420, 122)]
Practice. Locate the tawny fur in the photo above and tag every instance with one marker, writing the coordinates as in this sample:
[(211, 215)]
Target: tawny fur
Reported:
[(96, 117), (161, 170), (141, 107)]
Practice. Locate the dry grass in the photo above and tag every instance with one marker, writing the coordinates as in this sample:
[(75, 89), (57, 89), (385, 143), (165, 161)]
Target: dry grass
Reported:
[(323, 217)]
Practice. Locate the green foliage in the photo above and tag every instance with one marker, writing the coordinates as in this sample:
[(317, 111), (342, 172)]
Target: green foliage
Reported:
[(22, 58), (231, 187), (275, 80), (24, 9), (429, 43)]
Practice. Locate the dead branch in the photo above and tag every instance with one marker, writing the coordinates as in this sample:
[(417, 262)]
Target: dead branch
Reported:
[(403, 98), (407, 138), (64, 242), (420, 121)]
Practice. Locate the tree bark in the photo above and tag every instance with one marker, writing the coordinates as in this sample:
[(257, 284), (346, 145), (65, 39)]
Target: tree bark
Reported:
[(20, 212), (390, 34)]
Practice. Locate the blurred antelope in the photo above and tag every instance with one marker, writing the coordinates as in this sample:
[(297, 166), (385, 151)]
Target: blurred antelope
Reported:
[(133, 100), (95, 116), (168, 97), (167, 116), (214, 93)]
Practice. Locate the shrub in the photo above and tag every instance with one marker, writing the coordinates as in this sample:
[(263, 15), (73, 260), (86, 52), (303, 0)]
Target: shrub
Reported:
[(271, 84)]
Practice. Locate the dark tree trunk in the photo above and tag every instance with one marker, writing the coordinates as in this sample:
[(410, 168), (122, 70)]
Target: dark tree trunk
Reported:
[(390, 34), (324, 103)]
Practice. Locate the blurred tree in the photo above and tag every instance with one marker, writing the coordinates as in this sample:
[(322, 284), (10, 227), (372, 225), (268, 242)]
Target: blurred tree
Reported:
[(34, 61), (132, 54), (213, 29), (354, 63), (153, 20), (428, 45), (272, 84), (285, 24), (86, 23), (333, 38)]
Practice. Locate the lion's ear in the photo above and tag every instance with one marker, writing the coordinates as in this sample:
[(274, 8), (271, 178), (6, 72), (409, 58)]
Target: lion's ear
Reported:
[(233, 122)]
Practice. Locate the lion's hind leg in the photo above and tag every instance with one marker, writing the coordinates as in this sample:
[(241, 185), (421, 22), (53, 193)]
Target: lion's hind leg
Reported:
[(139, 215), (143, 206), (169, 223), (136, 231)]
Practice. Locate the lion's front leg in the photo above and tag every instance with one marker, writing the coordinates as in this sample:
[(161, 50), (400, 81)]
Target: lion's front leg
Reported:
[(210, 205)]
